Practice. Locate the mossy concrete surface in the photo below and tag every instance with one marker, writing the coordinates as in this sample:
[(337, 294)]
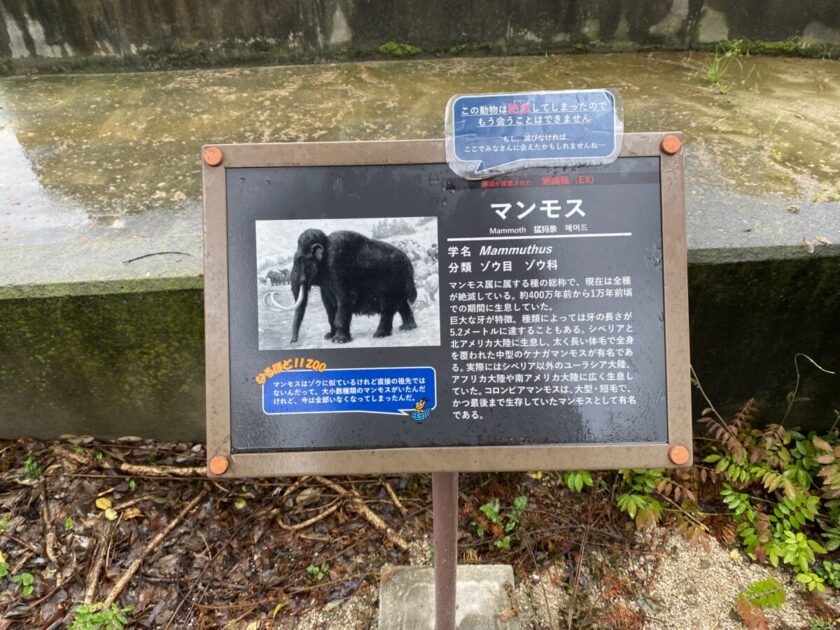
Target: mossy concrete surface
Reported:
[(748, 322), (133, 363), (105, 365)]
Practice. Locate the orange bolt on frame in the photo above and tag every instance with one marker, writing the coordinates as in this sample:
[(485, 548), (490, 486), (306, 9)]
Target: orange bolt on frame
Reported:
[(213, 156), (671, 144), (678, 455), (219, 464)]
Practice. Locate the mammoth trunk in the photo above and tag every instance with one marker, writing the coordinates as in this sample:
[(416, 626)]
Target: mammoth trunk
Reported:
[(301, 293)]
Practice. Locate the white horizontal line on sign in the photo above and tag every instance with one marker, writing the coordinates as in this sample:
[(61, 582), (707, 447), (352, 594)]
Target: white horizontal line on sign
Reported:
[(538, 236)]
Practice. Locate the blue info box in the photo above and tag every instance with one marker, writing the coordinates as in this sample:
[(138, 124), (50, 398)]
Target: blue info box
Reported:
[(397, 391), (487, 131)]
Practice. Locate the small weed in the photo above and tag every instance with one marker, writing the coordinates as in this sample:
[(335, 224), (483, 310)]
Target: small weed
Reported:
[(393, 49), (460, 49), (318, 573), (636, 500), (771, 129), (4, 565), (31, 468), (821, 624), (68, 524), (97, 617), (717, 67), (26, 581), (829, 571), (575, 480), (767, 593), (502, 525), (132, 485)]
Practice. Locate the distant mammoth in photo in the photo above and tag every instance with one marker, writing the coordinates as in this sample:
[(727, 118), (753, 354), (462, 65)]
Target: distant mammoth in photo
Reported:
[(357, 276), (278, 276)]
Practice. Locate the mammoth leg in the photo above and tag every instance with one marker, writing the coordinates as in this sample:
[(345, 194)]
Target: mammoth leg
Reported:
[(386, 322), (407, 317), (330, 306), (343, 314)]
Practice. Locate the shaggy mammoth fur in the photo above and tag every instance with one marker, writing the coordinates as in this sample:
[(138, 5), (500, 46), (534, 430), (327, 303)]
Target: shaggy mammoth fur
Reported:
[(357, 275)]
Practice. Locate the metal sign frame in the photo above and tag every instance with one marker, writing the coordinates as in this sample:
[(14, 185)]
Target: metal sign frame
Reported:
[(218, 158)]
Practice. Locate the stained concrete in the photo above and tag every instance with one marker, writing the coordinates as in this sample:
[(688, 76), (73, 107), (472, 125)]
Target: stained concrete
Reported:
[(57, 35), (100, 170), (100, 226), (484, 598)]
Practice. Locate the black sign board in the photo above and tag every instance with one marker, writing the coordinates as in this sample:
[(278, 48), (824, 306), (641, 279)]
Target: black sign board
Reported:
[(368, 310)]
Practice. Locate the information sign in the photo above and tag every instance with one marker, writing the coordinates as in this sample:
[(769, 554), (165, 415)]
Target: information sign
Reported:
[(489, 134), (369, 311)]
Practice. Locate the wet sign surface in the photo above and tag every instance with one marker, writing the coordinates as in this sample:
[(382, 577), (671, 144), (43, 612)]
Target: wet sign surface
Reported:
[(381, 313)]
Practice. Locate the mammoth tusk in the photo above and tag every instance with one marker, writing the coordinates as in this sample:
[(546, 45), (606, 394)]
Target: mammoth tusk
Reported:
[(272, 303)]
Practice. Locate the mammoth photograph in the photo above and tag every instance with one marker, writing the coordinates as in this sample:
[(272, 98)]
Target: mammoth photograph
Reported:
[(357, 283)]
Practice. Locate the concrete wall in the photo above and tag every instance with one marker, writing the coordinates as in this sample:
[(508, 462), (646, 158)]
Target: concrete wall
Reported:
[(133, 364), (56, 35)]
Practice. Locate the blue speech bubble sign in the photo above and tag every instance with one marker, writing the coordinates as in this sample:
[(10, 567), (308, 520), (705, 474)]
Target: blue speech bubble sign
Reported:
[(392, 391), (487, 134)]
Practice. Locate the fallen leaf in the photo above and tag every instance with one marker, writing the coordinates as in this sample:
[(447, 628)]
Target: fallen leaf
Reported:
[(333, 604), (278, 608), (132, 513), (240, 503), (794, 209), (111, 514), (823, 240), (103, 503), (808, 245), (308, 495)]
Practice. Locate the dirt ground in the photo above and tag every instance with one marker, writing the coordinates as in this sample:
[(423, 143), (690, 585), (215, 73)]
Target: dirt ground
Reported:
[(135, 522)]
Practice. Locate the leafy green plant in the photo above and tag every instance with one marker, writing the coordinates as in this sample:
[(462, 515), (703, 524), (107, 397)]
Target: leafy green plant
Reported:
[(811, 581), (4, 565), (637, 501), (821, 624), (31, 468), (575, 480), (26, 581), (501, 524), (97, 617), (767, 593), (394, 49), (68, 524), (829, 571), (318, 573), (771, 486)]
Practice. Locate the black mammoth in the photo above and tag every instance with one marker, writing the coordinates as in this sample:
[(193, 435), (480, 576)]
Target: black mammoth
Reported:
[(357, 276)]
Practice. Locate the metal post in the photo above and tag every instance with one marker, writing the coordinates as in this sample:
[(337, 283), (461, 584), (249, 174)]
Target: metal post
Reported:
[(445, 516)]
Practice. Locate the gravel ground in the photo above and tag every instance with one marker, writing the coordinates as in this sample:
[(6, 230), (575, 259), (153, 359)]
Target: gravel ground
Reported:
[(240, 553)]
